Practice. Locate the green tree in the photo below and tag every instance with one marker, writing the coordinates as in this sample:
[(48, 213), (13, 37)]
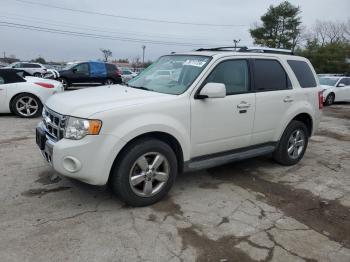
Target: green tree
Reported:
[(327, 58), (40, 60), (281, 26)]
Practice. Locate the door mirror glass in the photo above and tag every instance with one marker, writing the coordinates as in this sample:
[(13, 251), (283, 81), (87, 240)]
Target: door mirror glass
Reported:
[(213, 90), (341, 85)]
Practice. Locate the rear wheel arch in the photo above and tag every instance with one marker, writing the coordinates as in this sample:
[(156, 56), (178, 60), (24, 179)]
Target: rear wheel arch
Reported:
[(22, 93), (306, 119)]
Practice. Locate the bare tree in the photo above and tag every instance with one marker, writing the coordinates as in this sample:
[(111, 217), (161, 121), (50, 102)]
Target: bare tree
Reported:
[(325, 32), (346, 28), (106, 53)]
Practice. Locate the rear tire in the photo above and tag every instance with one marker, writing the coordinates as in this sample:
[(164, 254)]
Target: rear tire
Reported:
[(144, 173), (329, 99), (292, 146), (26, 105), (108, 82), (65, 83), (38, 75)]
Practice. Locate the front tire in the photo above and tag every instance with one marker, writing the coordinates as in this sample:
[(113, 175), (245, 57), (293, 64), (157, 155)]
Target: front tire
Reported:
[(26, 106), (144, 173), (292, 145), (330, 99)]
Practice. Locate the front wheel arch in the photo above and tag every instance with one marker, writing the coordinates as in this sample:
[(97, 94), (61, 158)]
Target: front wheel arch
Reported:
[(162, 136)]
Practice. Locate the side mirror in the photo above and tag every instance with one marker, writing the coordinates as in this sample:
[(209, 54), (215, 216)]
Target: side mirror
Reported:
[(341, 85), (212, 90), (74, 70)]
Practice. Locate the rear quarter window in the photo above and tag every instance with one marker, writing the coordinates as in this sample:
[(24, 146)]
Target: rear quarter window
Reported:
[(269, 75), (303, 73)]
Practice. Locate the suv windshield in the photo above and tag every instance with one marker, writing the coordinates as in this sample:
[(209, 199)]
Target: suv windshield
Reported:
[(171, 74), (328, 81)]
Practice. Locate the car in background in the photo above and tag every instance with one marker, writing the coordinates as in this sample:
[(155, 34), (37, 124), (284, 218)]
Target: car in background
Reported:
[(335, 89), (52, 71), (34, 69), (127, 75), (90, 73), (25, 96)]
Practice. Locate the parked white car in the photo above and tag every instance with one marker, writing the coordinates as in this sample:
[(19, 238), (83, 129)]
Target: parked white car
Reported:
[(25, 96), (336, 89), (34, 69), (127, 75), (224, 106)]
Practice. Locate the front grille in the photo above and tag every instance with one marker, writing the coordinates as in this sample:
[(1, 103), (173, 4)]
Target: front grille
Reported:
[(54, 124)]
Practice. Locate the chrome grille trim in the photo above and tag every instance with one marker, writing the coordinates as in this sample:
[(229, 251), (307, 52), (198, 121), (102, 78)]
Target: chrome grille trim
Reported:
[(54, 124)]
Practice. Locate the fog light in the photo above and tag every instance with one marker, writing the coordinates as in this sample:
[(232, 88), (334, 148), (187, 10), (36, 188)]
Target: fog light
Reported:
[(71, 164)]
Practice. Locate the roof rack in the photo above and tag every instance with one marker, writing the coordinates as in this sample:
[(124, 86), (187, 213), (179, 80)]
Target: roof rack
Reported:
[(249, 49)]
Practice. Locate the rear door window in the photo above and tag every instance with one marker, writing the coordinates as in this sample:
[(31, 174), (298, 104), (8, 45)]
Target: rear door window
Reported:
[(303, 73), (269, 75)]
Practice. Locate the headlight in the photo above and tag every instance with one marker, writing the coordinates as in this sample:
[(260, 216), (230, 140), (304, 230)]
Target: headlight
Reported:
[(77, 128)]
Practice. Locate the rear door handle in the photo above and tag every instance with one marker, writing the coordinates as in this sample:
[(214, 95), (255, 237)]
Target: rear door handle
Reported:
[(243, 104), (288, 99)]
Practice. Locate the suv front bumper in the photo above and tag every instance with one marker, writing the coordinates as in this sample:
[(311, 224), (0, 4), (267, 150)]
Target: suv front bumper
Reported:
[(89, 160)]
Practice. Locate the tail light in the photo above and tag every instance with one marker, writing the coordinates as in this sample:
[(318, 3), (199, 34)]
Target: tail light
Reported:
[(118, 73), (46, 85), (320, 100)]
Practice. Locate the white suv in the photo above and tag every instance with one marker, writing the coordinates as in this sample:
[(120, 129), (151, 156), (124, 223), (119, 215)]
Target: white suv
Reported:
[(34, 69), (224, 106)]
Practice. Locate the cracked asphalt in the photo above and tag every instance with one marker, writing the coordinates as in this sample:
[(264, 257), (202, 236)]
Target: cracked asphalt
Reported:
[(253, 210)]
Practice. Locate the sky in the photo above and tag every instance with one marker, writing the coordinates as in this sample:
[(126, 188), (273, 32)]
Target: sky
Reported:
[(163, 26)]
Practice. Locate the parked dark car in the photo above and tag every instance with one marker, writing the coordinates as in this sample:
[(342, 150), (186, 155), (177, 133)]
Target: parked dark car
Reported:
[(90, 73)]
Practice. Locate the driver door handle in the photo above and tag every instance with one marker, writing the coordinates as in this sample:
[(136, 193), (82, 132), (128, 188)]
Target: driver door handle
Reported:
[(288, 99), (243, 105)]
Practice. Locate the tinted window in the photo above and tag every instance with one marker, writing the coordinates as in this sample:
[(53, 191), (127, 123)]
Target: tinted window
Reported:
[(27, 65), (111, 68), (234, 74), (2, 80), (270, 76), (82, 68), (303, 73), (11, 77)]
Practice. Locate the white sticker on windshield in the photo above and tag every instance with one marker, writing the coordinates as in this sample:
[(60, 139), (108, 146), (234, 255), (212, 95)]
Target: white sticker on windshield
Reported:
[(198, 63)]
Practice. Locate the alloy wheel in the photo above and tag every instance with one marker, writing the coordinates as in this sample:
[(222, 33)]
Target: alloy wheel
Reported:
[(149, 174), (109, 82), (296, 144), (27, 106)]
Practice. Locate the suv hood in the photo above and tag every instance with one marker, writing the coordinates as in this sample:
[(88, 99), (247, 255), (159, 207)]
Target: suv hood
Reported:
[(86, 102)]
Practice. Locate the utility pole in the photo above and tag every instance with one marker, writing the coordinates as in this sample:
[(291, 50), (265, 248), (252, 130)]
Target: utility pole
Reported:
[(236, 41), (143, 54)]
